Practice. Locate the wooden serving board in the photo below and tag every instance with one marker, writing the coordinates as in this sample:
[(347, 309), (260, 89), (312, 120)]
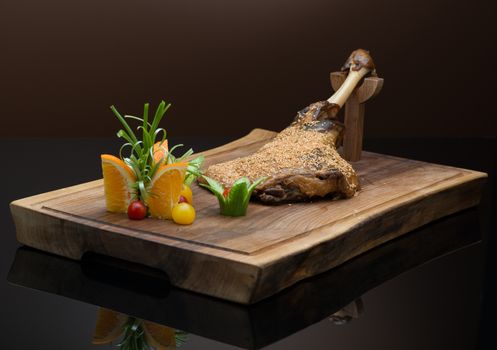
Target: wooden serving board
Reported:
[(249, 258), (245, 326)]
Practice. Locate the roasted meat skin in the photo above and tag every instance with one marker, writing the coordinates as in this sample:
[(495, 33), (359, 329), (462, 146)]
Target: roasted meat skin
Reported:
[(301, 163)]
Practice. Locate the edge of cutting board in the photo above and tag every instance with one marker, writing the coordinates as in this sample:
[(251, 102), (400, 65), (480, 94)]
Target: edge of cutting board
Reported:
[(236, 277)]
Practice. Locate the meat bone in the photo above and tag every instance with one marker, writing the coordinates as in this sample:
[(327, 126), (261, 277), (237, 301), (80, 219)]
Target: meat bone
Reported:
[(359, 64)]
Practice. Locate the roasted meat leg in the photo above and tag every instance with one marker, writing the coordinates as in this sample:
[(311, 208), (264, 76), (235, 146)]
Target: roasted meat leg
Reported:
[(302, 162)]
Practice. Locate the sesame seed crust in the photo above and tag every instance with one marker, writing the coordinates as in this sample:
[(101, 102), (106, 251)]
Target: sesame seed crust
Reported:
[(301, 162)]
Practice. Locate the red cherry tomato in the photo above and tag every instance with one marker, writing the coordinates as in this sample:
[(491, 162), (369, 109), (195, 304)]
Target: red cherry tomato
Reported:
[(226, 192), (137, 210), (182, 199)]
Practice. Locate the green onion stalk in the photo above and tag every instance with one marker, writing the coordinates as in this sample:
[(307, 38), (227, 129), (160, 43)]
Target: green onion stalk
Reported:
[(141, 151)]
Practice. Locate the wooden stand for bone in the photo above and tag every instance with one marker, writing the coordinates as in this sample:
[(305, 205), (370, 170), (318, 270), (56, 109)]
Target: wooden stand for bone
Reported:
[(354, 112)]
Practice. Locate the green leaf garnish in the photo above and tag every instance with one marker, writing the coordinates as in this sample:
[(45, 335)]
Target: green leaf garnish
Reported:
[(140, 157), (141, 152), (237, 200), (193, 170), (134, 336)]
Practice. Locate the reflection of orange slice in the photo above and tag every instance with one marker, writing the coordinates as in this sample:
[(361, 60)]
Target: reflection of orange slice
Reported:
[(158, 336), (160, 151), (118, 179), (165, 189), (110, 325)]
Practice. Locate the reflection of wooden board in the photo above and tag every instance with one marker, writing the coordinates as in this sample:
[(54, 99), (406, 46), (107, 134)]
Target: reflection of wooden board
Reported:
[(249, 258), (248, 327)]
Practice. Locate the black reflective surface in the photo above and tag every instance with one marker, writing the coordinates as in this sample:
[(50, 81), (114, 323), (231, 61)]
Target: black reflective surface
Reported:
[(431, 289)]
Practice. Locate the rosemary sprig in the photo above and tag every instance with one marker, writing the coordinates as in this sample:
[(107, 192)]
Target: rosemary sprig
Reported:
[(141, 156), (193, 169), (141, 151), (134, 336)]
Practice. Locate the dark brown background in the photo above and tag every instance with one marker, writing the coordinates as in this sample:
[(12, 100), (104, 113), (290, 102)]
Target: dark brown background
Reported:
[(229, 66)]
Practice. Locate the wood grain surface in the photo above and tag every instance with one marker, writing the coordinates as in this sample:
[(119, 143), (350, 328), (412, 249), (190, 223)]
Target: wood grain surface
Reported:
[(249, 258)]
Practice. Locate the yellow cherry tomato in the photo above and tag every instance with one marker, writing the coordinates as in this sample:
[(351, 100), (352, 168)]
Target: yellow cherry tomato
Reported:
[(183, 213), (186, 192)]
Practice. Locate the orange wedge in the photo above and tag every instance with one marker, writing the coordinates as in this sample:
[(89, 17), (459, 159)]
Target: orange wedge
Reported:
[(158, 336), (118, 179), (110, 325), (165, 189), (160, 151)]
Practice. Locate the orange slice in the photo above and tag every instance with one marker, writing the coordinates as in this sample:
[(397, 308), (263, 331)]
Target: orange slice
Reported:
[(118, 179), (160, 151), (165, 189), (158, 336), (110, 325)]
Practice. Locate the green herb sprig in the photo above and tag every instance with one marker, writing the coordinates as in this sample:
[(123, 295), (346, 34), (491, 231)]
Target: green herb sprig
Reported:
[(141, 157), (141, 151), (193, 169), (236, 201), (134, 336)]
